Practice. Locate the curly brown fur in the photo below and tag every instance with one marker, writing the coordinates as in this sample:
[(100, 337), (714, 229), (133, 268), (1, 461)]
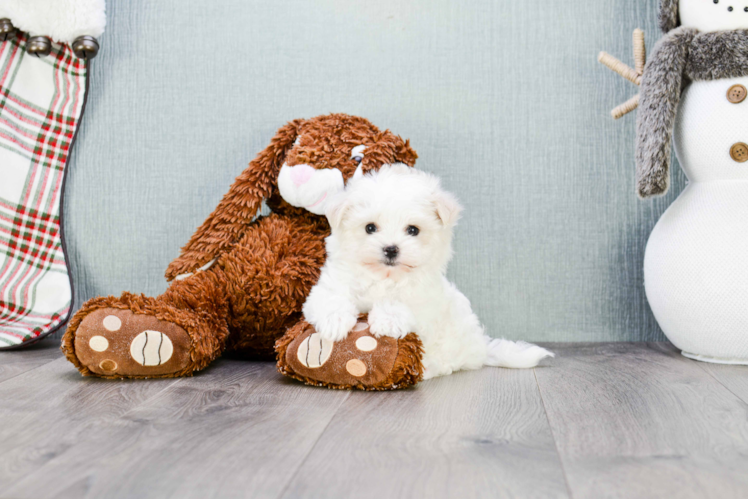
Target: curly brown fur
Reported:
[(266, 266), (407, 369)]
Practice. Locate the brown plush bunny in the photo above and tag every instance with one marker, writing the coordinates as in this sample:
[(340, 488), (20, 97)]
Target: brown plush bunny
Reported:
[(240, 282)]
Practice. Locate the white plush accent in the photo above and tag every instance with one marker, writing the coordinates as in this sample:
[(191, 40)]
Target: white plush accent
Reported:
[(207, 266), (61, 20), (358, 151), (315, 193), (705, 15)]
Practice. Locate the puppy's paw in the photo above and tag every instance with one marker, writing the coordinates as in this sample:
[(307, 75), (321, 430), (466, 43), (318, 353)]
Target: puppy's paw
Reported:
[(391, 320), (335, 326)]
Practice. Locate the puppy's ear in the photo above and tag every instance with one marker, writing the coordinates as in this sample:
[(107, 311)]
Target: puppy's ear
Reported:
[(336, 210), (448, 209)]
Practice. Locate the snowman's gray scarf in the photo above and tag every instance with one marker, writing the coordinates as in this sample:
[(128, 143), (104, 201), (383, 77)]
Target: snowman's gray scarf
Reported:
[(681, 56)]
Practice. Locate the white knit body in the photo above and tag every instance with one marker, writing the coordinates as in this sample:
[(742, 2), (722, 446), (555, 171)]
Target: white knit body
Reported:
[(696, 262)]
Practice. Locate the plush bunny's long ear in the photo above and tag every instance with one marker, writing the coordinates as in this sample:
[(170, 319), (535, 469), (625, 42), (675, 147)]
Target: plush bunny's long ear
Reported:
[(239, 206), (404, 153), (659, 98), (388, 148)]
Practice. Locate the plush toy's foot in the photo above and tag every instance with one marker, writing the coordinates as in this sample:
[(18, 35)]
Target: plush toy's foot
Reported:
[(360, 361), (135, 337), (116, 342)]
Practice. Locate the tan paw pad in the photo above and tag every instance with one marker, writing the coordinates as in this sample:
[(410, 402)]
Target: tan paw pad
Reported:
[(112, 323), (151, 348), (108, 365), (356, 367), (98, 343), (314, 351), (366, 344)]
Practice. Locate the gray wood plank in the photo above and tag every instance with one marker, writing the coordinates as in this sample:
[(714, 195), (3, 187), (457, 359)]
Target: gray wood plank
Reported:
[(240, 430), (14, 363), (47, 411), (472, 434), (639, 420)]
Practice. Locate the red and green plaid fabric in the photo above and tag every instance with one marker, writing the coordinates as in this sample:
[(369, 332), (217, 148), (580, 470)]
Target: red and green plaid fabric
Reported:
[(41, 102)]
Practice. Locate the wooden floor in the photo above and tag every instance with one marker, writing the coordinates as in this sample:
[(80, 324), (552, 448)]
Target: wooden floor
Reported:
[(600, 420)]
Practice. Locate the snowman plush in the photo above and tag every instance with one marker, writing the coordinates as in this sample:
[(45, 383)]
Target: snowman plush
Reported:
[(694, 95)]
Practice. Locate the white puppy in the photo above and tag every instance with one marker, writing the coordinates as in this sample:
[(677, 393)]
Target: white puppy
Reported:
[(387, 256)]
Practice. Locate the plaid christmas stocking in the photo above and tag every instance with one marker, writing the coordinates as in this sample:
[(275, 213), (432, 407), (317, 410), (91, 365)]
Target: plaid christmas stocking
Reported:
[(41, 104)]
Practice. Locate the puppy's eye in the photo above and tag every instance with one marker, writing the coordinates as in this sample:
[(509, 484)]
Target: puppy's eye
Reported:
[(371, 228), (358, 159), (413, 230)]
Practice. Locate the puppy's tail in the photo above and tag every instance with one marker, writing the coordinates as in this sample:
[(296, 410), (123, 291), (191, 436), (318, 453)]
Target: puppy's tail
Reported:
[(509, 354)]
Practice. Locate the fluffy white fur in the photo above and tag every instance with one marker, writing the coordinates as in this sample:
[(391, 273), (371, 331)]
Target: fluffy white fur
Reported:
[(408, 292), (61, 20)]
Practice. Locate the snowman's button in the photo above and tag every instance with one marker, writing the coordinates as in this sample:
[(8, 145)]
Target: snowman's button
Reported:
[(737, 94), (739, 152)]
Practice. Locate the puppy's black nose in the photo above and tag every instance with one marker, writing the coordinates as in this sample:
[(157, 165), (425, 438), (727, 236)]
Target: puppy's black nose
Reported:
[(391, 251)]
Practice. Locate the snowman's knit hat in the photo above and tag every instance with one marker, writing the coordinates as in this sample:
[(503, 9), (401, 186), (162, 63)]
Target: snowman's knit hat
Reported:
[(669, 18)]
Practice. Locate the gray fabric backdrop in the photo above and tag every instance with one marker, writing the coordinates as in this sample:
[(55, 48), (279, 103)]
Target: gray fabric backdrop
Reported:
[(503, 99)]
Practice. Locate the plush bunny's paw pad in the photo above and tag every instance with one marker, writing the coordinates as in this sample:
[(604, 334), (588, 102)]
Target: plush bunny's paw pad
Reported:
[(115, 342), (359, 361)]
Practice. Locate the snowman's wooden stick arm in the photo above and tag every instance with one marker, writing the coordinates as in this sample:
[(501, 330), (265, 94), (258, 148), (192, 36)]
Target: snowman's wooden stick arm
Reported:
[(625, 108), (617, 66), (634, 75), (640, 51)]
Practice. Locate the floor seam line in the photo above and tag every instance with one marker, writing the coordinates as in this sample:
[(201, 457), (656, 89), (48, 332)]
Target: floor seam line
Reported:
[(311, 448), (702, 367), (553, 435)]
